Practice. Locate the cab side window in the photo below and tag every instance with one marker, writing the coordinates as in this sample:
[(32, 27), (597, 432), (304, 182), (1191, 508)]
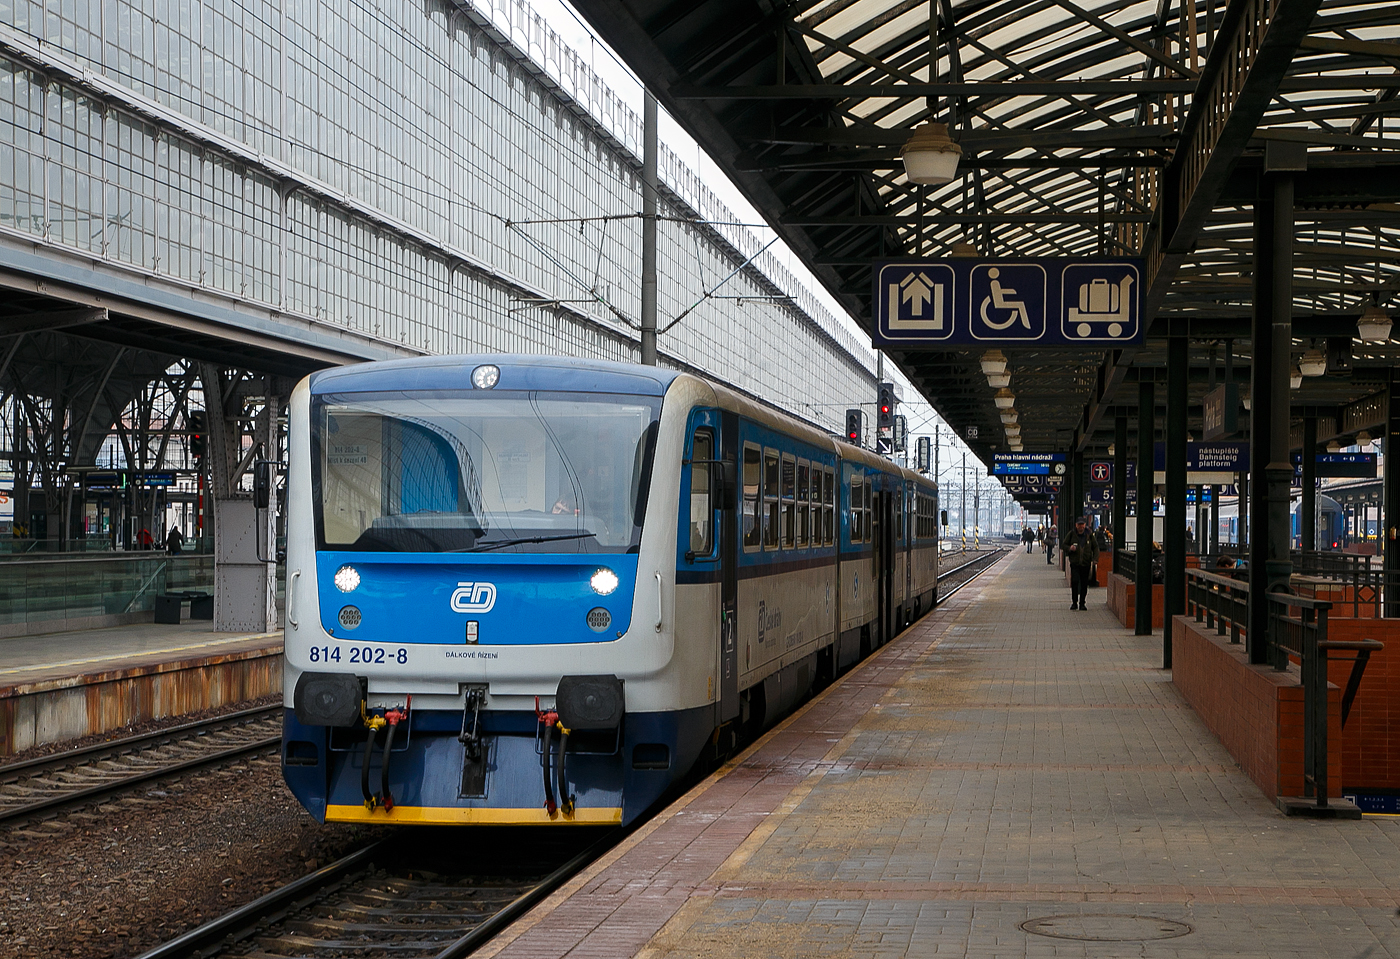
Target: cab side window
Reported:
[(701, 505)]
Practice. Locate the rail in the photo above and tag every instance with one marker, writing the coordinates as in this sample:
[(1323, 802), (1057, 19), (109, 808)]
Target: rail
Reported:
[(1297, 631)]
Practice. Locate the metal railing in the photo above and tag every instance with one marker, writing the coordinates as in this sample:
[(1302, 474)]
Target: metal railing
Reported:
[(1297, 631), (1221, 601)]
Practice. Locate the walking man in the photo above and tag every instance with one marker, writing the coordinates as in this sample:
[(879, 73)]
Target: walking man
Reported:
[(1028, 538), (1083, 554)]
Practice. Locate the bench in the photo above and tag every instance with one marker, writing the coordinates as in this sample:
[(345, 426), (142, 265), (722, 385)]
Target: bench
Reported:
[(168, 605)]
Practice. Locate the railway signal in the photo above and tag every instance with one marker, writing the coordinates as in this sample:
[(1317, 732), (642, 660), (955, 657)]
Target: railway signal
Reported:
[(855, 427), (884, 419)]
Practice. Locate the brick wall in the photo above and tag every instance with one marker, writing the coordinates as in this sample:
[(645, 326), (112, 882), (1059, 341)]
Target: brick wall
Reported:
[(1370, 745), (1122, 595), (1255, 711)]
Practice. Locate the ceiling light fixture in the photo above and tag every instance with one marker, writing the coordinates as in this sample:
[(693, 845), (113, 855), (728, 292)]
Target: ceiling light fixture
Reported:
[(1313, 363), (993, 361), (1295, 378), (998, 381), (930, 156), (1004, 399), (1374, 325), (1363, 438), (1009, 416)]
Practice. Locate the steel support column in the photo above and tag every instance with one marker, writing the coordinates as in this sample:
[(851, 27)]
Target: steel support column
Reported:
[(1261, 373), (1146, 431), (1390, 519), (649, 198), (1307, 507), (1174, 524), (1076, 490), (1120, 481)]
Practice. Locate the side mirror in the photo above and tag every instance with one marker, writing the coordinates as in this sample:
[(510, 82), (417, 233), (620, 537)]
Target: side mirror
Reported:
[(262, 484)]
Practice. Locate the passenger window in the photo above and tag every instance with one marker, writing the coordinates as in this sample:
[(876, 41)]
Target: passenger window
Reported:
[(829, 499), (753, 502), (857, 493), (811, 503), (770, 499), (789, 502), (808, 490), (866, 502), (701, 510)]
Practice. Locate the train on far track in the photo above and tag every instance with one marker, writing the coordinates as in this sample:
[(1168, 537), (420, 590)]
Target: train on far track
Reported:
[(539, 590)]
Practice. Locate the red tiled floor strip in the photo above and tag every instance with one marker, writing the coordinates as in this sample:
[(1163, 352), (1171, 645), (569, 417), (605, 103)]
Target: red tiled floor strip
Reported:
[(616, 907)]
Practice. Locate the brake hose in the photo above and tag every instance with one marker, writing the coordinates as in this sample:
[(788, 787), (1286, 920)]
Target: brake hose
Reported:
[(370, 735), (566, 799), (393, 717)]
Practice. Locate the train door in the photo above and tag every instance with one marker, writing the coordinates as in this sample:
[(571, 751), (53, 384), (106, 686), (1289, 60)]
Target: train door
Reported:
[(883, 543), (732, 520), (885, 558)]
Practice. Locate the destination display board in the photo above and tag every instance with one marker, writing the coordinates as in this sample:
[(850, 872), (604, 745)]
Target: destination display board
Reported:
[(1029, 464), (1061, 301), (1340, 465)]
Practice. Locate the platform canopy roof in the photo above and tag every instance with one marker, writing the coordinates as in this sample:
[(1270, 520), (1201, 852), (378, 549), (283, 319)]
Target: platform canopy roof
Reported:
[(1087, 129)]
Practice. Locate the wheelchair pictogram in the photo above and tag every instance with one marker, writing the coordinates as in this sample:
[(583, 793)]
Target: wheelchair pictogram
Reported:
[(1008, 301)]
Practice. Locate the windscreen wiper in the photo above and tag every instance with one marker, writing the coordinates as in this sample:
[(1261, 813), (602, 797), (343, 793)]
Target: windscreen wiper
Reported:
[(523, 539)]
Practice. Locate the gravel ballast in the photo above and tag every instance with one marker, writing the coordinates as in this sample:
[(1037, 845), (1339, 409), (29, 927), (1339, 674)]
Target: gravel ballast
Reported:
[(113, 881)]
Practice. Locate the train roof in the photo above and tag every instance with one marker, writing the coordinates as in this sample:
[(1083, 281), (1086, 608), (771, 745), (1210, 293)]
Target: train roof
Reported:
[(518, 372)]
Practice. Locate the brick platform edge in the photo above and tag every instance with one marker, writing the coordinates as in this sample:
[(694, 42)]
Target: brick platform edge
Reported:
[(71, 707), (1256, 711), (1122, 595)]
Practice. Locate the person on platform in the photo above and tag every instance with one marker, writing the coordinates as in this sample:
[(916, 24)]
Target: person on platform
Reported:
[(1052, 536), (1083, 554), (1027, 537), (175, 542)]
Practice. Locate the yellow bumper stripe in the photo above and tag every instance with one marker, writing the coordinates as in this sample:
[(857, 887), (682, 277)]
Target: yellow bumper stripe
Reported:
[(452, 815)]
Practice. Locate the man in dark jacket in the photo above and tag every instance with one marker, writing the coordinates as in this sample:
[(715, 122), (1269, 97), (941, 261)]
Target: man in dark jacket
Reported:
[(1083, 555)]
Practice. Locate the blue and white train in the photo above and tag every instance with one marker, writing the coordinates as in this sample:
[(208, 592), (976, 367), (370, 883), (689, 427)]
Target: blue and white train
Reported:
[(539, 590)]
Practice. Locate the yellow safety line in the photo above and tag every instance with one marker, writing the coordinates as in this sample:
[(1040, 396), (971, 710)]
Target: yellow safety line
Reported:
[(454, 815)]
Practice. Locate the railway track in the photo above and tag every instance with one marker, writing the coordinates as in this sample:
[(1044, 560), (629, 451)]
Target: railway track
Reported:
[(394, 899), (43, 787), (950, 581)]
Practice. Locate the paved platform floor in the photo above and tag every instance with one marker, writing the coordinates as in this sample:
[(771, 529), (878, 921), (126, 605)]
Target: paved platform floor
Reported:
[(49, 656), (1009, 778)]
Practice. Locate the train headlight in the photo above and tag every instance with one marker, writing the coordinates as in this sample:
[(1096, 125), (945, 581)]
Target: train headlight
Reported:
[(604, 581), (486, 377), (347, 578)]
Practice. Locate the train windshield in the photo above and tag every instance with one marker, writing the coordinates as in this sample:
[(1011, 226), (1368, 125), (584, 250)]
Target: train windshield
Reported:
[(482, 471)]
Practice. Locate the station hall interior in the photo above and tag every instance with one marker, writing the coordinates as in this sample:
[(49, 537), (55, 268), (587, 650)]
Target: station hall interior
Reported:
[(1136, 261)]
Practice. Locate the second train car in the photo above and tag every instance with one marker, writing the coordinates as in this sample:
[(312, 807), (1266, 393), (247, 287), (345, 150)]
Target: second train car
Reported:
[(539, 590)]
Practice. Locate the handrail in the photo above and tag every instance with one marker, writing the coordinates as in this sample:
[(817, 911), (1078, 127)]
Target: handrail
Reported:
[(1297, 630), (144, 586)]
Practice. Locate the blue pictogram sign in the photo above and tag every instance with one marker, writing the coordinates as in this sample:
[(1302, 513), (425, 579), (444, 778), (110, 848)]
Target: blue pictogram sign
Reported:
[(1040, 302)]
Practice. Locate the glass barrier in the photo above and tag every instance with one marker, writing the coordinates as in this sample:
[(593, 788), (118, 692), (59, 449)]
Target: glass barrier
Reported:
[(55, 589)]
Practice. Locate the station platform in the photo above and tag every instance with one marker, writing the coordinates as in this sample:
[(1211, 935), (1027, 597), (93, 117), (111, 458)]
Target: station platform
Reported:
[(65, 685), (1007, 778)]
